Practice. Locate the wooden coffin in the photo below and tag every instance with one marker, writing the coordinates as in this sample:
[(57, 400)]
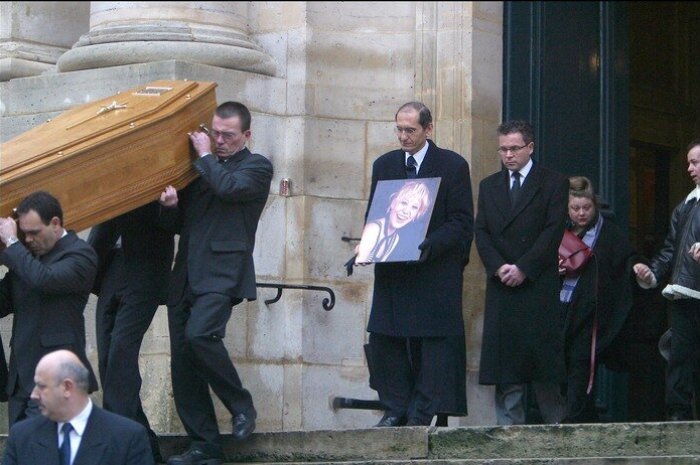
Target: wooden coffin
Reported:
[(110, 156)]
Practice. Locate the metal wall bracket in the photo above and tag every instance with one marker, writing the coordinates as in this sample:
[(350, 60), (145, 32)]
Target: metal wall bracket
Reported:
[(328, 303)]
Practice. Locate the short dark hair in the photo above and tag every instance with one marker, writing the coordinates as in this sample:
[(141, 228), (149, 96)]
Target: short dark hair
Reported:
[(424, 116), (235, 110), (517, 125), (45, 204), (694, 143)]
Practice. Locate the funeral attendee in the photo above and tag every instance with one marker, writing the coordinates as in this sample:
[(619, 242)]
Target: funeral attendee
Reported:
[(72, 430), (596, 300), (51, 272), (519, 225), (677, 263), (216, 216), (416, 339), (135, 257)]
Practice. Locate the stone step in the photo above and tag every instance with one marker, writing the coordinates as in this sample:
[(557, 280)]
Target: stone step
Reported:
[(667, 460), (623, 443)]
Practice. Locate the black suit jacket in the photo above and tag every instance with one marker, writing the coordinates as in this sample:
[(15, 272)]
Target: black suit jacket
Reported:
[(422, 299), (108, 439), (147, 250), (47, 295), (522, 339), (217, 217)]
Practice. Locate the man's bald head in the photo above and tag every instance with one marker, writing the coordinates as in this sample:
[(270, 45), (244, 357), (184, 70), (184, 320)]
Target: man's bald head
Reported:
[(64, 364), (61, 384)]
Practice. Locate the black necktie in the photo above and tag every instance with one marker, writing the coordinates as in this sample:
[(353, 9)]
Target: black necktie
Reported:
[(515, 188), (64, 450), (411, 167)]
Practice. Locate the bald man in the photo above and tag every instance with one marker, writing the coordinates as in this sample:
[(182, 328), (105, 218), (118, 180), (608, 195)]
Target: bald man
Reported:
[(71, 427)]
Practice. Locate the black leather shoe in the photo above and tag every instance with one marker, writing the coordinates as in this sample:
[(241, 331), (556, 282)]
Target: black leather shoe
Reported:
[(243, 426), (391, 420), (194, 457)]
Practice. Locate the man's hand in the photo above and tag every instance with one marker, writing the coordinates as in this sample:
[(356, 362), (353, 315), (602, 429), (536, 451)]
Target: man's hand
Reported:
[(168, 198), (510, 275), (8, 229), (695, 251), (201, 142), (643, 273)]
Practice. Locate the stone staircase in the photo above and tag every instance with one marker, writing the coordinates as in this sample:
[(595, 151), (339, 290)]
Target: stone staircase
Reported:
[(612, 443)]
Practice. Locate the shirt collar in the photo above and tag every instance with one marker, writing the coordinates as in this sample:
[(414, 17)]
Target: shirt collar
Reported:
[(419, 156), (694, 194), (524, 171), (79, 422)]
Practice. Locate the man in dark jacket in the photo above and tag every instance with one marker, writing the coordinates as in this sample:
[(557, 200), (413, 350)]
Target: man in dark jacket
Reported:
[(519, 225), (678, 260), (216, 216), (87, 435), (51, 272), (135, 256), (417, 344)]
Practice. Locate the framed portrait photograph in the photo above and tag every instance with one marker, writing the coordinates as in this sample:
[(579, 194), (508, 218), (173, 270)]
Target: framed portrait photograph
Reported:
[(398, 220)]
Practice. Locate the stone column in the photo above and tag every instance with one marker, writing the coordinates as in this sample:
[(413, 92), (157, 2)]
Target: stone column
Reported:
[(211, 33), (33, 35)]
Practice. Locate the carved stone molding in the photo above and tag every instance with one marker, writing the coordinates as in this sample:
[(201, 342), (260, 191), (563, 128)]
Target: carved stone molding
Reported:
[(211, 33)]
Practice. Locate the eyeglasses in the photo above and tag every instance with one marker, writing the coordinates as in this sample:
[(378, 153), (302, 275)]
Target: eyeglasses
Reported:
[(408, 131), (224, 135), (504, 150)]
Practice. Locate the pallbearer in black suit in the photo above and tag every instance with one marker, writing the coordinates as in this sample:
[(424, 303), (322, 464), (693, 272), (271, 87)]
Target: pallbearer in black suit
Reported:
[(216, 216), (416, 327), (51, 272), (519, 225), (72, 430), (135, 256)]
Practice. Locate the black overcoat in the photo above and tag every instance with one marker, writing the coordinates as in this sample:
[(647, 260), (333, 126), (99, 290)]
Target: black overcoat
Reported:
[(424, 299), (522, 340), (604, 288)]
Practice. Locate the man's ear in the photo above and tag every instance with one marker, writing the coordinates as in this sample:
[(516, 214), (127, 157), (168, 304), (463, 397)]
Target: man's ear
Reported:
[(55, 222), (68, 386)]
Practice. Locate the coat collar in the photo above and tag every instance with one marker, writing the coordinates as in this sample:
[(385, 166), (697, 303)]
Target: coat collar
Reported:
[(428, 169), (530, 187), (93, 445), (62, 244)]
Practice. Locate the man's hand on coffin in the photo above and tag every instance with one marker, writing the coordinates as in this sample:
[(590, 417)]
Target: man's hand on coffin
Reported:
[(201, 142), (168, 198), (8, 230)]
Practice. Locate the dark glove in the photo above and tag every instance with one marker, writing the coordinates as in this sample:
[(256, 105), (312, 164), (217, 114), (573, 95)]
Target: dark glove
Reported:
[(350, 264), (425, 251)]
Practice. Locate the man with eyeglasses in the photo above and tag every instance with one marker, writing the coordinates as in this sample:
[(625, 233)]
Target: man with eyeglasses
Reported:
[(216, 216), (416, 344), (519, 225)]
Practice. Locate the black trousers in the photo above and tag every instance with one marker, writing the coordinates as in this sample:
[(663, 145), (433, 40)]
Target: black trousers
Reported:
[(199, 360), (684, 359), (122, 319), (419, 377)]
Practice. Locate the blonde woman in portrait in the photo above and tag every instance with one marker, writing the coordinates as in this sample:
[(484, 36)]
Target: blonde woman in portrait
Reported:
[(408, 204)]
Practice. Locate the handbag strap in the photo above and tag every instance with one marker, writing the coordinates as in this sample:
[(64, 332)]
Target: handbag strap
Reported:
[(594, 332)]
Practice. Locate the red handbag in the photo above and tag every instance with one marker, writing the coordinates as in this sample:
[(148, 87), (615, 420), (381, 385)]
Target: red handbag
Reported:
[(574, 254)]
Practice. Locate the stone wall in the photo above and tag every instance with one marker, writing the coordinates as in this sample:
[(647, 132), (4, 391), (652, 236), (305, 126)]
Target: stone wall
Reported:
[(322, 112)]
